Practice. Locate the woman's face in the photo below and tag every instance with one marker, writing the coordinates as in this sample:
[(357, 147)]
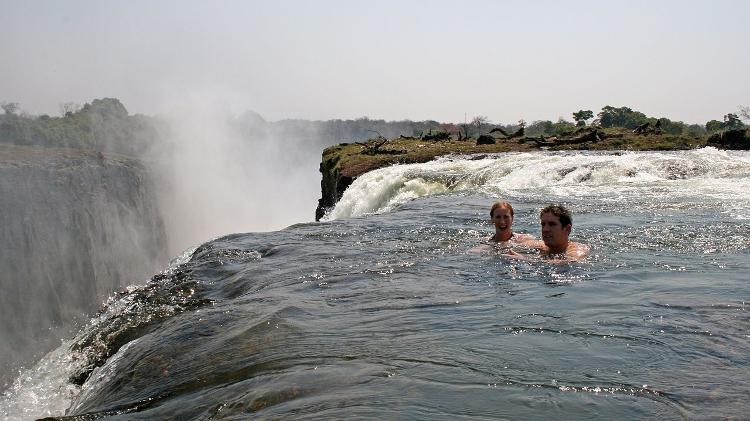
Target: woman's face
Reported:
[(502, 219)]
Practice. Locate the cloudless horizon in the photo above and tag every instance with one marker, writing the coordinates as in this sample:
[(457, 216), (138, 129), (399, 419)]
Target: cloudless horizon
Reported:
[(417, 60)]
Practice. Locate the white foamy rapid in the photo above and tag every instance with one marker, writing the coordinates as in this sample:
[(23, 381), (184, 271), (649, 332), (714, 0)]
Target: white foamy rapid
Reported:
[(612, 176), (43, 390)]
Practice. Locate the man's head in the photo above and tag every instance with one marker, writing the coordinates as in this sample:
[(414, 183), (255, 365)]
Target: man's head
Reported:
[(556, 224)]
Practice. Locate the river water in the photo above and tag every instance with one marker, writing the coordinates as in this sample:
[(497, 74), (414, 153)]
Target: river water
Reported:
[(382, 310)]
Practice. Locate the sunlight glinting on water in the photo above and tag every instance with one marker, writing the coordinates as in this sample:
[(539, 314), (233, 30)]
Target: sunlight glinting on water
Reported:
[(43, 390)]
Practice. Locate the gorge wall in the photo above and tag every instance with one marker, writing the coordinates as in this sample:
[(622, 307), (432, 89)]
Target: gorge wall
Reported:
[(75, 226)]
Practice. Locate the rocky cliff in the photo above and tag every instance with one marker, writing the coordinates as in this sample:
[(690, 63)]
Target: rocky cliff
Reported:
[(74, 227)]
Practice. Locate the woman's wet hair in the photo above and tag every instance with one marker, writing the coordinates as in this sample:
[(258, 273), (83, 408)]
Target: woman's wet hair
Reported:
[(560, 211), (501, 204)]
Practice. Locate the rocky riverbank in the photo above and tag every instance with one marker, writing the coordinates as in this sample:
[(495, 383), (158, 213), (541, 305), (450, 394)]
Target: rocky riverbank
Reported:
[(343, 163)]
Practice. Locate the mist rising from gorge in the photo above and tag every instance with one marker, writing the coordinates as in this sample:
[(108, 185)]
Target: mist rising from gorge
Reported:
[(214, 179), (98, 199), (215, 172), (218, 173)]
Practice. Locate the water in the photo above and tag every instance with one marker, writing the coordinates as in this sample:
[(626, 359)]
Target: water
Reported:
[(383, 312)]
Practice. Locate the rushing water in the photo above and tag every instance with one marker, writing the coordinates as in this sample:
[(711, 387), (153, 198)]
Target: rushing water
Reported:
[(383, 312)]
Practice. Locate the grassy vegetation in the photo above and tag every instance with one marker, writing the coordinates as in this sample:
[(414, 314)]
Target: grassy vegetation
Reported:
[(617, 138), (351, 160)]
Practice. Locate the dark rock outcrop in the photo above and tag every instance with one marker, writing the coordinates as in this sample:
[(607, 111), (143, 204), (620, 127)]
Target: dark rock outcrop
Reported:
[(75, 226), (333, 183), (485, 140), (642, 128), (736, 139), (646, 128), (500, 129), (518, 133), (583, 136)]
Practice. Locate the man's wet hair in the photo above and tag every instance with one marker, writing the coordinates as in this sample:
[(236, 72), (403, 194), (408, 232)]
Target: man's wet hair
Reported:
[(501, 204), (560, 211)]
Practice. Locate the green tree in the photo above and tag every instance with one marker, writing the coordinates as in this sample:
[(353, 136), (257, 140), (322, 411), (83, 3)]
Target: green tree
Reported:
[(479, 122), (669, 126), (744, 112), (621, 117), (540, 128), (714, 126), (732, 121), (10, 107), (581, 116), (69, 108), (694, 130), (563, 127)]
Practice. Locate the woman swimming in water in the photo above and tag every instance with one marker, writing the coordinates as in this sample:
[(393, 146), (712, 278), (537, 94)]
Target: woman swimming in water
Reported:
[(501, 216)]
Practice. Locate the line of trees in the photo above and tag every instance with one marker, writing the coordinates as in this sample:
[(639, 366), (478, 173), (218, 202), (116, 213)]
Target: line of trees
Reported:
[(628, 118), (102, 125), (105, 125)]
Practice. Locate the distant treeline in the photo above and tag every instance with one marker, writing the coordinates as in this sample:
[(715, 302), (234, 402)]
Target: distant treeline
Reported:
[(105, 125), (627, 118), (333, 131)]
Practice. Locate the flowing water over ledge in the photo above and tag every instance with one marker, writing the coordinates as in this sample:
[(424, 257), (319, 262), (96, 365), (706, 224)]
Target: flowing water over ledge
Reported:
[(383, 312)]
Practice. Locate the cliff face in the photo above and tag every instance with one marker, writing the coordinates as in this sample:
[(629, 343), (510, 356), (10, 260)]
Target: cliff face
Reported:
[(74, 227), (333, 183)]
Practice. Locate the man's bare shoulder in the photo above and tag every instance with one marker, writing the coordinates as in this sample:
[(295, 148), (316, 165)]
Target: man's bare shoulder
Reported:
[(577, 251)]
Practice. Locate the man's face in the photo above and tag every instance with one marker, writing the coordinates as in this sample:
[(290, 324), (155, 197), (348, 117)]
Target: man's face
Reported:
[(554, 234), (502, 219)]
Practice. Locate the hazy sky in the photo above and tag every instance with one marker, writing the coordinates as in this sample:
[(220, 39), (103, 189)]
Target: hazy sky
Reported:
[(686, 60)]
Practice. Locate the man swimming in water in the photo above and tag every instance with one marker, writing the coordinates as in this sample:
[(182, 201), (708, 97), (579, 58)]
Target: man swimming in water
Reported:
[(556, 224)]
